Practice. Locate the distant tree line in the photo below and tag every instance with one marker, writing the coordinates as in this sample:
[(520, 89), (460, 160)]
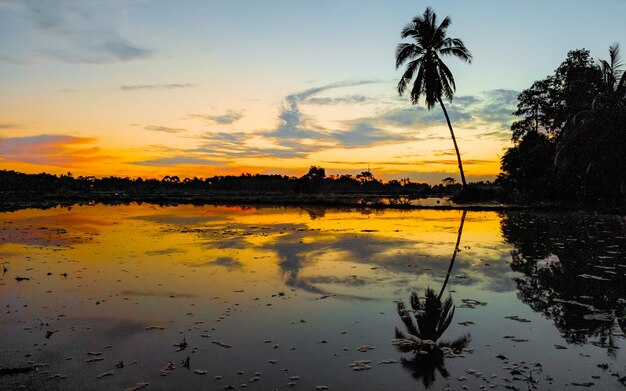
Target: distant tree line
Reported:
[(570, 140), (16, 184)]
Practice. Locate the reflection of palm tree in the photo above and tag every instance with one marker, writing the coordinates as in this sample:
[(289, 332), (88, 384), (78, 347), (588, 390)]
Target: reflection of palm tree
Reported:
[(456, 250), (433, 80), (425, 322)]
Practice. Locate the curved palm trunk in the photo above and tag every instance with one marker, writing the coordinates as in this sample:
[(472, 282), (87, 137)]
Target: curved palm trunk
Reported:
[(456, 250), (456, 147)]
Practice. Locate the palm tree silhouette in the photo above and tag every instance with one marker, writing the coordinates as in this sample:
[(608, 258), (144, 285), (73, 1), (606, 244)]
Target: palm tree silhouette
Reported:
[(433, 79), (614, 79)]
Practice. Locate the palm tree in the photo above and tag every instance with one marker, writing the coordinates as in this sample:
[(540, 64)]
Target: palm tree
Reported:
[(433, 79), (614, 79)]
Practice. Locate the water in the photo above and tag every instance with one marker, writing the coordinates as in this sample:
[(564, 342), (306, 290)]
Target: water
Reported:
[(300, 295)]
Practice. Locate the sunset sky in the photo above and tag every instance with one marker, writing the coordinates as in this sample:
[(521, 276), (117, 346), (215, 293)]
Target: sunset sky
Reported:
[(199, 88)]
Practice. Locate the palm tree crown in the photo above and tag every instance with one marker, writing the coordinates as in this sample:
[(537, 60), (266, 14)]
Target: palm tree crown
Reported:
[(433, 79)]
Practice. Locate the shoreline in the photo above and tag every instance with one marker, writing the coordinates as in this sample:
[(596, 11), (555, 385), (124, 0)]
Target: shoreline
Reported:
[(15, 202)]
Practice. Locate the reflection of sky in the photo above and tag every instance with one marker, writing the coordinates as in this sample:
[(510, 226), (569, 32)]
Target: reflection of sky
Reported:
[(245, 276)]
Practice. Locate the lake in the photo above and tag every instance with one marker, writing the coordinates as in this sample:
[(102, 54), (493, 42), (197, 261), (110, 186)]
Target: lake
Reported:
[(100, 297)]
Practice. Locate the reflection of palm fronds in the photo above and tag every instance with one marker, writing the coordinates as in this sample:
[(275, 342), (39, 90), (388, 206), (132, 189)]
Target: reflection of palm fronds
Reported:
[(457, 345), (425, 322), (431, 317)]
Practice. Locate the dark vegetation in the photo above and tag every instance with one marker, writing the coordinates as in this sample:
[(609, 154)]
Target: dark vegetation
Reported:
[(570, 141), (314, 187)]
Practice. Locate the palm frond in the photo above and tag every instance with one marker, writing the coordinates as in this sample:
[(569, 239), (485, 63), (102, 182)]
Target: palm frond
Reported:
[(409, 30), (405, 315), (415, 302), (458, 344), (406, 51), (447, 81), (418, 85), (616, 58), (439, 33), (408, 75), (455, 47), (446, 316)]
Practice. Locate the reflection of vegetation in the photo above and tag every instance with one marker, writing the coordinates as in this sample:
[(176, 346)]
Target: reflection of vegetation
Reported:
[(426, 322), (573, 272), (433, 79)]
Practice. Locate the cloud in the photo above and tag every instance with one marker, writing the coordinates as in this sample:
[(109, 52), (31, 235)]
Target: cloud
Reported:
[(8, 126), (231, 116), (298, 134), (422, 162), (81, 32), (51, 150), (170, 86), (295, 130), (349, 99), (176, 161), (237, 144), (10, 59), (363, 133), (164, 129)]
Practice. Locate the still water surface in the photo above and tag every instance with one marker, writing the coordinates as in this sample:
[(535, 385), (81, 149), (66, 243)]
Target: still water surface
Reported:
[(299, 298)]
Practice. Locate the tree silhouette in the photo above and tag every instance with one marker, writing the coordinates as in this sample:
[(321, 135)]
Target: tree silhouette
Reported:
[(433, 78)]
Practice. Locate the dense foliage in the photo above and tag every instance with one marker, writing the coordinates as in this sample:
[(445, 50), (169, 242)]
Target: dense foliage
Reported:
[(570, 140)]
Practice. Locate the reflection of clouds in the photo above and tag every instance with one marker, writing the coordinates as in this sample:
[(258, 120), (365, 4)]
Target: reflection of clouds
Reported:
[(61, 229), (398, 260), (179, 220), (165, 251), (227, 262)]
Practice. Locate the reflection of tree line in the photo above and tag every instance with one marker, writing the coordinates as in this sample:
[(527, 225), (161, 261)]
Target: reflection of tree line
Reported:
[(425, 322), (572, 272)]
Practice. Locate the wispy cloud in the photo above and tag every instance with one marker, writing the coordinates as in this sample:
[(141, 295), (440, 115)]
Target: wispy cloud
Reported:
[(164, 129), (364, 132), (348, 99), (9, 126), (297, 133), (231, 116), (171, 86), (295, 130), (176, 161), (81, 32), (11, 59)]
